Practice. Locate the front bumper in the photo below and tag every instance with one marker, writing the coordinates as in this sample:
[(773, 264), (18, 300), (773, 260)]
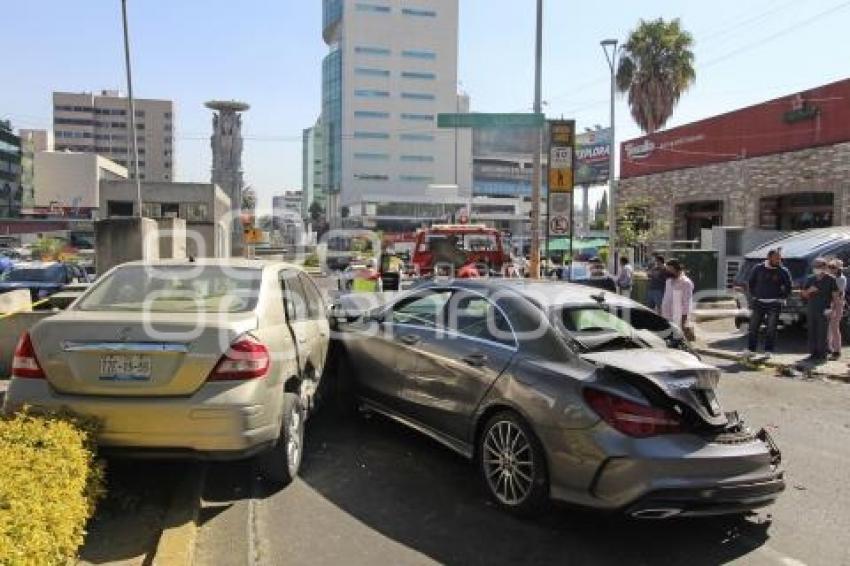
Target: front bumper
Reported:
[(220, 421)]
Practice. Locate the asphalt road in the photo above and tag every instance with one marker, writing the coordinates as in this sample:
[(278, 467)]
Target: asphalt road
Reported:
[(372, 492)]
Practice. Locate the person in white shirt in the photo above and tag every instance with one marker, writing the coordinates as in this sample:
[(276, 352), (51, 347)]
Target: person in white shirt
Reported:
[(836, 269), (625, 277), (678, 295)]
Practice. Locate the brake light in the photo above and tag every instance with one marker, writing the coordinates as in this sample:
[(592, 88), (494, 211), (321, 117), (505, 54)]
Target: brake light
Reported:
[(25, 364), (630, 418), (246, 358)]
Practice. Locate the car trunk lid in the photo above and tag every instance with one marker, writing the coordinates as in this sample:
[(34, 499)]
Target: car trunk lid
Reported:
[(675, 375), (134, 354)]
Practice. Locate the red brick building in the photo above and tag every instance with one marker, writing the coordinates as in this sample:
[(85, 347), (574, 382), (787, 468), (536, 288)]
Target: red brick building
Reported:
[(783, 164)]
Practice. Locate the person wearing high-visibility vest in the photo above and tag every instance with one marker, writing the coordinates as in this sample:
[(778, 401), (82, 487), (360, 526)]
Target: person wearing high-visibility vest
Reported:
[(367, 280)]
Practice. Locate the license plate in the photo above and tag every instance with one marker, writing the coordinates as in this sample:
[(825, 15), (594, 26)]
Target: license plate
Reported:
[(125, 368)]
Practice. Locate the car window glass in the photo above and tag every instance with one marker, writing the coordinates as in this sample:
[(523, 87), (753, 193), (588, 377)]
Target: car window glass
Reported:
[(293, 296), (589, 320), (422, 310), (475, 316), (315, 304)]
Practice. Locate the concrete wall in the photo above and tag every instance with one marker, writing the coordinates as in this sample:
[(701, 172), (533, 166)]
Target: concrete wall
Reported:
[(72, 179), (120, 240), (740, 185), (209, 237), (172, 238)]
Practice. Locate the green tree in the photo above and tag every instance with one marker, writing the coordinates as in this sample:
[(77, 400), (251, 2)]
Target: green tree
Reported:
[(656, 68), (316, 211)]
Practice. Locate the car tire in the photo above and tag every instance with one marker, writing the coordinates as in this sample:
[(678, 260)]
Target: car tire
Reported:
[(280, 464), (513, 465)]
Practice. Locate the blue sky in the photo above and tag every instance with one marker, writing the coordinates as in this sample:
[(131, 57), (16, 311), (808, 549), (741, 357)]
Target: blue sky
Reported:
[(268, 53)]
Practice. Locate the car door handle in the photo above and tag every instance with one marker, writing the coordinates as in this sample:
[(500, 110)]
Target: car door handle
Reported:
[(475, 360), (410, 339)]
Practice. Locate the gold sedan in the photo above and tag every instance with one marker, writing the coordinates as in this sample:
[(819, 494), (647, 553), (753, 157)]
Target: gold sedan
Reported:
[(211, 359)]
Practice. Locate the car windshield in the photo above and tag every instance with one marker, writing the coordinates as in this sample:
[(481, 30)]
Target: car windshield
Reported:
[(205, 289), (52, 274)]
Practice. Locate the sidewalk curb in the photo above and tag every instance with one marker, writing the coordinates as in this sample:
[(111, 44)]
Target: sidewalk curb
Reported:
[(176, 546), (731, 356)]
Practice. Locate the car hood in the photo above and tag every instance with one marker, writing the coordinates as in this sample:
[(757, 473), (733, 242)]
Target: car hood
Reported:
[(676, 374)]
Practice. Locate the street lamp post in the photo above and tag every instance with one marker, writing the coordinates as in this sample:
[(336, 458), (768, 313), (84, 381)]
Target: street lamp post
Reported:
[(612, 200), (133, 133), (534, 264)]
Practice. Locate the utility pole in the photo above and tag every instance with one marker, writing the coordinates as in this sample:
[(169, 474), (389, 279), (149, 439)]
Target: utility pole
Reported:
[(534, 264), (133, 133), (612, 200)]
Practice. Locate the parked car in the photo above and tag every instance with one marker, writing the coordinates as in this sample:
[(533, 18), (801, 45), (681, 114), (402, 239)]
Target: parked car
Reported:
[(42, 279), (214, 359), (798, 252), (559, 391)]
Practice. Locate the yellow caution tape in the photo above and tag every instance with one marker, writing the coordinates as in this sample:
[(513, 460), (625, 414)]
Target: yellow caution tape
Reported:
[(32, 307)]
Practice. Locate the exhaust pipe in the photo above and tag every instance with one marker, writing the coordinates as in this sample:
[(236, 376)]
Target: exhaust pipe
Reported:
[(661, 513)]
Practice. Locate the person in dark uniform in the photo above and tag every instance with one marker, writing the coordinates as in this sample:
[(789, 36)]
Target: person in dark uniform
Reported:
[(820, 291)]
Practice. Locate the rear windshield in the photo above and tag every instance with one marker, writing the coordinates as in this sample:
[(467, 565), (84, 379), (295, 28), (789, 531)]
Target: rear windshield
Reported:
[(204, 289), (52, 274)]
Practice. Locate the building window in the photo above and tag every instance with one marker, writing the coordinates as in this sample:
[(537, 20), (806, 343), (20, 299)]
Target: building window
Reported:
[(196, 211), (417, 96), (371, 135), (74, 121), (419, 54), (363, 7), (371, 72), (167, 115), (371, 177), (152, 210), (692, 217), (418, 117), (797, 211), (140, 113), (168, 165), (417, 178), (363, 50), (119, 125), (373, 156), (370, 114), (140, 126), (171, 210), (119, 208), (368, 93), (417, 137), (419, 12), (418, 75), (418, 158)]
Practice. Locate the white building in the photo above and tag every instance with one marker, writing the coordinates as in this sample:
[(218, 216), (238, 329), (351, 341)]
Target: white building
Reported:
[(392, 68), (99, 123), (69, 182), (312, 186)]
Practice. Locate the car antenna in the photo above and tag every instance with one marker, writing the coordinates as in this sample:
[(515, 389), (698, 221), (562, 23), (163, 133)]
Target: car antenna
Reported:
[(600, 298)]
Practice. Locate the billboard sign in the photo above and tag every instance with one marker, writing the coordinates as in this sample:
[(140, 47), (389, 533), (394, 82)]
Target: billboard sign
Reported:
[(593, 157)]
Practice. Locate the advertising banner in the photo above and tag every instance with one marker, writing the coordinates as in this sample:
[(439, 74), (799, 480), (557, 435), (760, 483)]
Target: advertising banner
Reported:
[(593, 157)]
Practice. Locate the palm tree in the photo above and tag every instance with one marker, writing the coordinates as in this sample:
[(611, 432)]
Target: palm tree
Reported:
[(656, 68)]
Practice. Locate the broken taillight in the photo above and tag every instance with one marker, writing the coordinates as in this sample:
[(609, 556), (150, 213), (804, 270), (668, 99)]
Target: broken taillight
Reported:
[(630, 418), (246, 358), (25, 363)]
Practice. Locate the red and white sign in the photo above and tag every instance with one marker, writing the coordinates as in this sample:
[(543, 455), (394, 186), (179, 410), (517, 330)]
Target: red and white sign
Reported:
[(813, 118)]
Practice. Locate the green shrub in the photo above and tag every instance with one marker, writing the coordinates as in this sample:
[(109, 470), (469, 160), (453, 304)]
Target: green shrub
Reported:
[(50, 482)]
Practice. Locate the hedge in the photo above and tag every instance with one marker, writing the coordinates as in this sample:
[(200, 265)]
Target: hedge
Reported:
[(50, 482)]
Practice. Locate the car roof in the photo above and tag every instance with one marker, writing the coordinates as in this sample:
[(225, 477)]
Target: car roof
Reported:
[(805, 244), (546, 293), (219, 262)]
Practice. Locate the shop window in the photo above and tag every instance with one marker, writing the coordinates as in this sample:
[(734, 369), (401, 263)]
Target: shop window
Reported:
[(797, 212), (692, 217)]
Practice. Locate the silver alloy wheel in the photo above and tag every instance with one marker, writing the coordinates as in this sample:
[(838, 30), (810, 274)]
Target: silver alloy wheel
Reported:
[(508, 462), (294, 439)]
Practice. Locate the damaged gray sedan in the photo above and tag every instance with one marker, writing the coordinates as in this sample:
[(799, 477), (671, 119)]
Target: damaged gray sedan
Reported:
[(560, 392)]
